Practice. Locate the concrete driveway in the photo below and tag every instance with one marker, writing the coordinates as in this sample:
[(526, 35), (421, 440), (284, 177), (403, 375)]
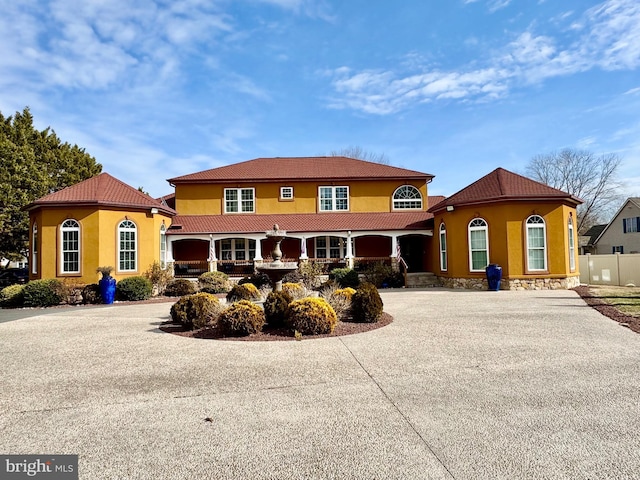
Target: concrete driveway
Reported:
[(464, 385)]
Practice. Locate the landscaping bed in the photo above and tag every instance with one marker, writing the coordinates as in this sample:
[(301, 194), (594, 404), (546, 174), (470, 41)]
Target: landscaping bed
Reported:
[(621, 304)]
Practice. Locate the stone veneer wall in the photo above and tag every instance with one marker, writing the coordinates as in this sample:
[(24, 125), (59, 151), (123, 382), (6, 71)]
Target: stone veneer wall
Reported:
[(515, 284)]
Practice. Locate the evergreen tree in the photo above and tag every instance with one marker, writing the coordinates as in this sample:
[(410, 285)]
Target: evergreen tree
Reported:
[(33, 164)]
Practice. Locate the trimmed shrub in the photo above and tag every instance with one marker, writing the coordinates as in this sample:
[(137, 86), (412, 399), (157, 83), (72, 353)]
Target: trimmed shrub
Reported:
[(202, 309), (276, 308), (91, 294), (366, 304), (214, 282), (179, 310), (345, 277), (312, 316), (12, 296), (246, 291), (241, 318), (295, 290), (43, 293), (339, 299), (258, 280), (158, 277), (179, 287), (383, 276), (133, 289)]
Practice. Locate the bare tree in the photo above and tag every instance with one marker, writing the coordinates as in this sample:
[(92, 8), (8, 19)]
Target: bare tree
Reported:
[(592, 178), (360, 153)]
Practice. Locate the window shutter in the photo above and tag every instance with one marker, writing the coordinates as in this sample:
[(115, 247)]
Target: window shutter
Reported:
[(624, 225), (613, 249), (637, 224), (621, 248)]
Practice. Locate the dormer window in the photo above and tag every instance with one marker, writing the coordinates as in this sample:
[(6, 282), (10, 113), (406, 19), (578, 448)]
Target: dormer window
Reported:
[(239, 200), (407, 197)]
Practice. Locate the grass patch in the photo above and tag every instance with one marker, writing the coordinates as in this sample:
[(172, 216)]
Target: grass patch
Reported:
[(625, 299)]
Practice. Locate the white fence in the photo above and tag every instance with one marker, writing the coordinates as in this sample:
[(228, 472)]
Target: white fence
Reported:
[(614, 269)]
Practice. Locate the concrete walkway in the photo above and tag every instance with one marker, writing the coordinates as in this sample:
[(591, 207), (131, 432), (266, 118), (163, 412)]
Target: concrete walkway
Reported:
[(464, 385)]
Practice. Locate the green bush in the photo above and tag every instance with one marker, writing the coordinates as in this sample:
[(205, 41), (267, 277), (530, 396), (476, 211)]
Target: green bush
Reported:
[(12, 296), (158, 277), (202, 309), (345, 277), (241, 318), (179, 310), (312, 316), (382, 275), (214, 282), (133, 289), (276, 308), (91, 294), (43, 293), (179, 287), (246, 291), (295, 290), (258, 280), (366, 304)]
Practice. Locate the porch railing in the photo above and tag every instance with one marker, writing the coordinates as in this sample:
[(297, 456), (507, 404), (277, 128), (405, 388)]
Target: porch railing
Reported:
[(236, 267), (360, 264), (189, 268)]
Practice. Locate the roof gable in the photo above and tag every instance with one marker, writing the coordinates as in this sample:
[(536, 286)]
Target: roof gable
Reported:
[(633, 200), (503, 185), (101, 190), (301, 169)]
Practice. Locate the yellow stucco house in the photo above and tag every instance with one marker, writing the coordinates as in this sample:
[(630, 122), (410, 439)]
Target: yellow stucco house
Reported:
[(95, 223), (337, 211)]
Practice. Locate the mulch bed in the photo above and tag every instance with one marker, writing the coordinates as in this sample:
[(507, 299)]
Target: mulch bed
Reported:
[(629, 321), (279, 334)]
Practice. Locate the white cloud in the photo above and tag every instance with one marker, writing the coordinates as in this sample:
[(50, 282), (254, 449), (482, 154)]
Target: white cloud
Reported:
[(608, 38)]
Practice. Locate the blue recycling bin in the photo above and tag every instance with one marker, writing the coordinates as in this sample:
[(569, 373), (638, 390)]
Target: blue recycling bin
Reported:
[(494, 275)]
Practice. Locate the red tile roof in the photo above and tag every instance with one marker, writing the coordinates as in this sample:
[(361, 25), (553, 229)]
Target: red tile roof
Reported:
[(300, 169), (502, 185), (102, 190), (300, 222)]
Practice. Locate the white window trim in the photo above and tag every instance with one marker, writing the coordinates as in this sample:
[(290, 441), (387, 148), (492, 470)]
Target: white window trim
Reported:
[(286, 196), (444, 261), (342, 246), (542, 225), (485, 227), (34, 249), (239, 200), (63, 230), (163, 247), (234, 249), (135, 245), (400, 200), (572, 245), (333, 198)]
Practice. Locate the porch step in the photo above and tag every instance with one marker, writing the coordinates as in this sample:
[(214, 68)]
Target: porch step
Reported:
[(422, 279)]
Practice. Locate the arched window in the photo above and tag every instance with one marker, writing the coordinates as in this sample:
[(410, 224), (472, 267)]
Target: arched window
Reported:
[(407, 197), (443, 247), (572, 246), (478, 245), (536, 244), (127, 246), (70, 246), (34, 249), (163, 247)]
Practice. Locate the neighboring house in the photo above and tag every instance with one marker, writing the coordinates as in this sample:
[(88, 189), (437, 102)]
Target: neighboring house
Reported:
[(98, 222), (337, 211), (588, 240), (6, 263), (526, 227), (622, 234)]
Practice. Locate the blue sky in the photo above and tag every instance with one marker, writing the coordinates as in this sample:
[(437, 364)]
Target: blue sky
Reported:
[(455, 88)]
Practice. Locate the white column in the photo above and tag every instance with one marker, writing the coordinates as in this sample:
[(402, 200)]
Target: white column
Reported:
[(212, 249), (303, 248), (394, 246), (349, 255), (258, 250), (169, 249)]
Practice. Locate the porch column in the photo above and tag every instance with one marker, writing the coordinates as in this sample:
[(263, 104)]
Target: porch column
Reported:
[(258, 256), (394, 253), (303, 248), (169, 254), (213, 260), (349, 256)]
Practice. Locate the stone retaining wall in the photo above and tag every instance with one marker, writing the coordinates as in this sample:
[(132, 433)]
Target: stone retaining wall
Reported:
[(515, 284)]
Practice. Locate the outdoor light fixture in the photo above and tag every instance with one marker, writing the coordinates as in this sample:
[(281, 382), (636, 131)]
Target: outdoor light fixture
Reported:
[(449, 208)]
